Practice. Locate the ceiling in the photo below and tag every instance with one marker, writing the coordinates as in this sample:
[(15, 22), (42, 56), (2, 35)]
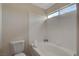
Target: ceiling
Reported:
[(44, 5)]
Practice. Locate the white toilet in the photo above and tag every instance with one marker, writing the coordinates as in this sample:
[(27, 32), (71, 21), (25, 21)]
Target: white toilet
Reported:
[(17, 48)]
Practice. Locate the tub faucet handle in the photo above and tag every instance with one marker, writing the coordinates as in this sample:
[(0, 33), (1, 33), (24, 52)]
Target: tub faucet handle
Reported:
[(45, 40)]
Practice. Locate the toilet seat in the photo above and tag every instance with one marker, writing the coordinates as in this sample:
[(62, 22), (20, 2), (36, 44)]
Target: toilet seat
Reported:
[(20, 54)]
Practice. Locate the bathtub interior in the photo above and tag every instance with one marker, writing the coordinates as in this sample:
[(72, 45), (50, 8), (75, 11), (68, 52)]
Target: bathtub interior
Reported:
[(49, 49)]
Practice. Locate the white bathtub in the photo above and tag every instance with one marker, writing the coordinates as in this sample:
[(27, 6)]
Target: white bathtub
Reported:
[(49, 49)]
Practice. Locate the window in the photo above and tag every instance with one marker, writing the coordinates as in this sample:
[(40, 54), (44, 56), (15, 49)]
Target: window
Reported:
[(68, 9), (53, 15)]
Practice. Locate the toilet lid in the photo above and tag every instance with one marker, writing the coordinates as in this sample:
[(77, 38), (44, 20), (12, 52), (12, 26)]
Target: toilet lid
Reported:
[(20, 54)]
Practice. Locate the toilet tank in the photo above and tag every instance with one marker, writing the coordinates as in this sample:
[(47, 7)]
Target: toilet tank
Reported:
[(17, 46)]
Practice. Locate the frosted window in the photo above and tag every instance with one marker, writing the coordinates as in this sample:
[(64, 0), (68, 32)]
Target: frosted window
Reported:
[(68, 9), (53, 15)]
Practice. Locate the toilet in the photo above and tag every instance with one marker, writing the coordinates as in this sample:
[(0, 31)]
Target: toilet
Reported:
[(17, 48)]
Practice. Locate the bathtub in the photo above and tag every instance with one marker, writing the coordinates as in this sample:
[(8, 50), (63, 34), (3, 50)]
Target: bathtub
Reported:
[(49, 49)]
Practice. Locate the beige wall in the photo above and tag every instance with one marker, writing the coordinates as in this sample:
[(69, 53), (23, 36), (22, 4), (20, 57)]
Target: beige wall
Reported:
[(56, 7), (36, 27), (78, 29), (0, 24), (0, 27), (15, 23), (62, 31), (36, 20)]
